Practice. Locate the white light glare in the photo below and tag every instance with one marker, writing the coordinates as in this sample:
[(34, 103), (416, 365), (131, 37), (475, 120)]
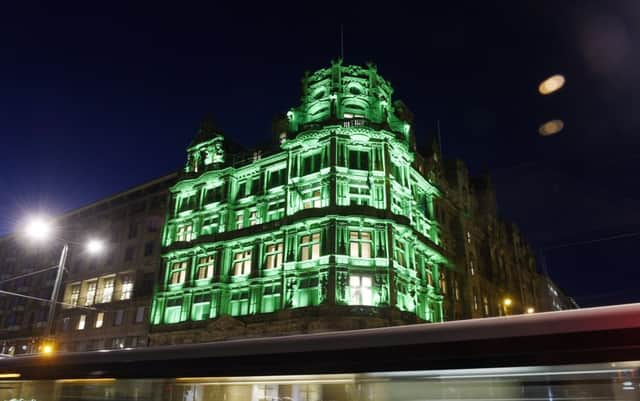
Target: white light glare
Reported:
[(38, 228), (95, 246)]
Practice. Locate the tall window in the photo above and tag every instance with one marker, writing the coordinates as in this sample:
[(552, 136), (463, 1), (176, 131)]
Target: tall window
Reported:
[(239, 220), (178, 272), (214, 194), (311, 164), (75, 294), (275, 210), (359, 194), (185, 233), (127, 287), (310, 246), (242, 263), (107, 290), (188, 203), (400, 253), (99, 320), (360, 290), (274, 255), (253, 218), (360, 244), (359, 159), (210, 225), (91, 293), (312, 199), (82, 321), (276, 178), (205, 267), (443, 283)]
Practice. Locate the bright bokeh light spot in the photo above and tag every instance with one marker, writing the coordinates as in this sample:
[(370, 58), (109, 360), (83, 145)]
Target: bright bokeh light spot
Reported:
[(507, 301), (38, 227), (47, 349), (551, 84), (95, 246), (551, 127), (530, 310)]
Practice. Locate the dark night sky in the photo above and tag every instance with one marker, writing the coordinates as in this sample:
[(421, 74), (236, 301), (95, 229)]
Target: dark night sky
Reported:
[(97, 97)]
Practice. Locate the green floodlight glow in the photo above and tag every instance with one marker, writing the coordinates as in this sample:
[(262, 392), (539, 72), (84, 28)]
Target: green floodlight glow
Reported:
[(338, 217)]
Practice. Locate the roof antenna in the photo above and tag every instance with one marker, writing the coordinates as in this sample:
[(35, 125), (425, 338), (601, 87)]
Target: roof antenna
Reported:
[(342, 41)]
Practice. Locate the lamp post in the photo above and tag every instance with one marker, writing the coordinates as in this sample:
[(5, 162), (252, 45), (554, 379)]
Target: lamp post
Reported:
[(40, 228)]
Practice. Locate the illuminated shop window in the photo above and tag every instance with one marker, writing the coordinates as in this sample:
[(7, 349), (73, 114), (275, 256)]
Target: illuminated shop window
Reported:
[(178, 273), (274, 255), (270, 301), (82, 321), (400, 255), (172, 310), (107, 290), (239, 303), (75, 294), (275, 210), (242, 263), (205, 267), (309, 392), (310, 246), (312, 199), (91, 293), (99, 320), (185, 233), (360, 244), (311, 164), (201, 306), (127, 287), (360, 290), (485, 305), (265, 392), (359, 159)]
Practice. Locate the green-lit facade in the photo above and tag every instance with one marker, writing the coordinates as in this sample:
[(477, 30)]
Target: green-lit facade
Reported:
[(336, 215)]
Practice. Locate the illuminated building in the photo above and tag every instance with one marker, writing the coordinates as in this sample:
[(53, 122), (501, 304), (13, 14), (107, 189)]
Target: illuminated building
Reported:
[(341, 225)]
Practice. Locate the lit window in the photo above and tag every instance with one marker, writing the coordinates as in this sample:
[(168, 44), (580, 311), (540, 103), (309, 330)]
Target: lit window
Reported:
[(400, 253), (485, 303), (127, 287), (81, 322), (468, 237), (274, 255), (99, 319), (360, 244), (472, 270), (239, 220), (242, 263), (253, 218), (310, 246), (91, 293), (443, 283), (360, 290), (475, 302), (205, 267), (75, 294), (107, 290), (312, 200), (178, 273), (185, 233), (456, 289)]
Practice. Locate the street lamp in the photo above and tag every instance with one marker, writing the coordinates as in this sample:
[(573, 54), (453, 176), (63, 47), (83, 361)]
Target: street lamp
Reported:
[(41, 228), (530, 310)]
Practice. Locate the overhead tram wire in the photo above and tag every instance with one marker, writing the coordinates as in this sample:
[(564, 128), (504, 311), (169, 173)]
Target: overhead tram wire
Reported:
[(15, 294), (28, 274)]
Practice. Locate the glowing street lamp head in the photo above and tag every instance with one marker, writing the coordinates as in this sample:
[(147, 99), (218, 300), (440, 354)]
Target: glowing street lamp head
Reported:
[(38, 228), (95, 246), (551, 84), (47, 349), (530, 310), (507, 302)]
